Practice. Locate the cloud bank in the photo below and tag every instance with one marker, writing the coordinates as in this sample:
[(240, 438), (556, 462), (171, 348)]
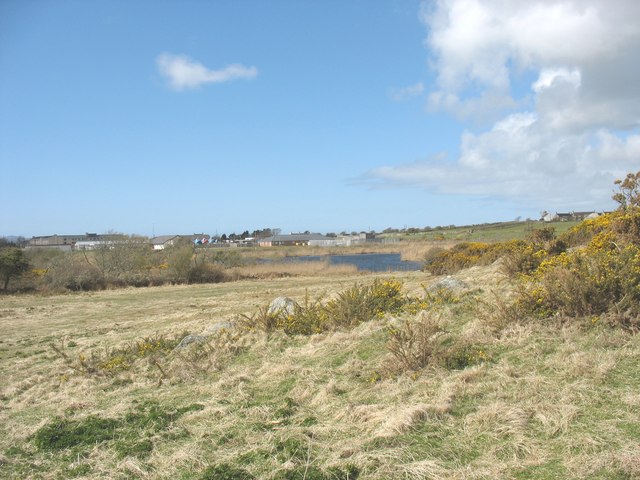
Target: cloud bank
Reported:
[(184, 73), (555, 83)]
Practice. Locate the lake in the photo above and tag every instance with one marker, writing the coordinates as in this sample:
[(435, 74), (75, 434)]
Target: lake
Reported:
[(373, 262)]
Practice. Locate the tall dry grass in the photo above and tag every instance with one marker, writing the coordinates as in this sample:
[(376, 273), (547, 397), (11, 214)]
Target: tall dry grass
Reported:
[(554, 401)]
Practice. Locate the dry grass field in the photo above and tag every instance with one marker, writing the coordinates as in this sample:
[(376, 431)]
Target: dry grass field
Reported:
[(92, 387)]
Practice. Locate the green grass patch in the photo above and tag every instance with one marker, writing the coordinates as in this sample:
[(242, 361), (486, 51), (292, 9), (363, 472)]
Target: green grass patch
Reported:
[(130, 435), (548, 470), (225, 471)]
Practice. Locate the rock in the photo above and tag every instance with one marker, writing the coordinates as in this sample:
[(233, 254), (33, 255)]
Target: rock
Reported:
[(216, 327), (189, 339), (448, 283), (282, 305)]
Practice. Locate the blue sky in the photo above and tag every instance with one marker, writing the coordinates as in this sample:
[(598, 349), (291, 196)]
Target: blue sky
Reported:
[(194, 116)]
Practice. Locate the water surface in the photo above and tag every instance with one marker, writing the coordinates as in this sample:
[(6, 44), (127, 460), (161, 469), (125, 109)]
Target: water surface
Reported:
[(373, 262)]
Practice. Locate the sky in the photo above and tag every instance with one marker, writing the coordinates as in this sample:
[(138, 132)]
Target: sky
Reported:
[(177, 117)]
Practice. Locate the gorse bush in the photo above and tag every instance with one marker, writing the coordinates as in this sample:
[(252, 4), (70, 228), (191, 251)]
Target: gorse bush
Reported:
[(591, 270), (518, 256), (460, 256), (426, 342), (111, 361), (590, 280), (598, 276), (361, 303), (357, 304), (468, 254), (416, 344), (306, 319)]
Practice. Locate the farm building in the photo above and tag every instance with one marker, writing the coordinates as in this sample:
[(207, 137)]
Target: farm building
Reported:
[(566, 217), (317, 240), (69, 242), (163, 241), (293, 239)]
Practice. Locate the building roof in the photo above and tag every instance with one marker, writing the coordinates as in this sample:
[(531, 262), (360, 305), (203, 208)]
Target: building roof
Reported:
[(162, 239)]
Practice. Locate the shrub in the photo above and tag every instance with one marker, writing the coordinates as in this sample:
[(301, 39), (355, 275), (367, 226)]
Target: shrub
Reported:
[(309, 318), (74, 273), (588, 281), (226, 258), (599, 276), (461, 355), (416, 344), (112, 361), (355, 305), (541, 236), (350, 307), (463, 255), (13, 263), (523, 258), (626, 225), (629, 195), (206, 273), (386, 296), (362, 303), (263, 319), (586, 230)]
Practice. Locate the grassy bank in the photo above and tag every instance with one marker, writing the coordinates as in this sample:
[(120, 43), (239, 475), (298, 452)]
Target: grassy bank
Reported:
[(541, 399), (490, 232)]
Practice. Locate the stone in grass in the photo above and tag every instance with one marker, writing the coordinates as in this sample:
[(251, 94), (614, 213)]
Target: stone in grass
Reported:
[(216, 327), (189, 339), (211, 329), (282, 305), (448, 283)]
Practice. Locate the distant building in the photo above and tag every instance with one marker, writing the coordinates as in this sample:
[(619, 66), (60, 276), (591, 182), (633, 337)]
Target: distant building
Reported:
[(292, 239), (355, 239), (317, 240), (162, 241), (568, 217), (69, 242)]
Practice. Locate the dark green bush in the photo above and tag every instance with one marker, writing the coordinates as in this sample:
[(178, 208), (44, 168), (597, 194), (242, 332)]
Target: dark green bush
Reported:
[(206, 273)]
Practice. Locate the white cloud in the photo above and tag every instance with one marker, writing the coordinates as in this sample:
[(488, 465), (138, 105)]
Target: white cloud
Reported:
[(563, 136), (550, 76), (400, 94), (183, 73), (482, 108)]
